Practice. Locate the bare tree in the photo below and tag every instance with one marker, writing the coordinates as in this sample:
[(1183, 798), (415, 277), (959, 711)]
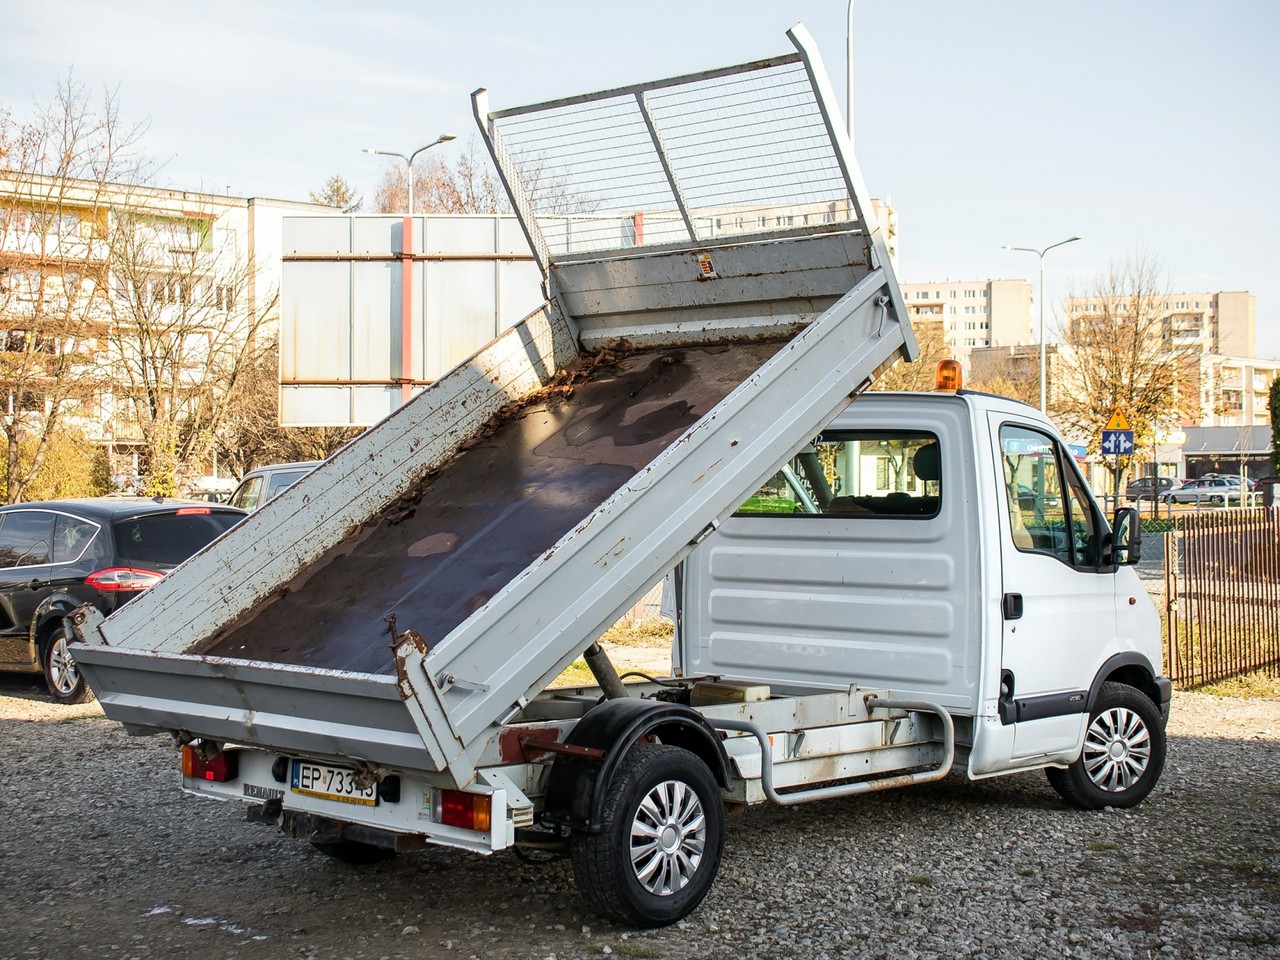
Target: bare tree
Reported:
[(1006, 377), (183, 332), (251, 435), (470, 185), (1119, 352), (53, 292), (920, 374)]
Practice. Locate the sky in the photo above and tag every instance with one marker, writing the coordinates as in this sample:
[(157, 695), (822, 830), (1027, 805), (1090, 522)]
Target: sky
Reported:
[(1148, 127)]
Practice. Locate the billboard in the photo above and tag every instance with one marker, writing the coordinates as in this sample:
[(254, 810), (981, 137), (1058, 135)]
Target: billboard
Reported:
[(373, 308)]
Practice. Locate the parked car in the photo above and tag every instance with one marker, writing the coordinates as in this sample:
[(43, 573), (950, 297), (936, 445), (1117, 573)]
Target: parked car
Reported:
[(1211, 490), (58, 554), (266, 483), (1149, 488)]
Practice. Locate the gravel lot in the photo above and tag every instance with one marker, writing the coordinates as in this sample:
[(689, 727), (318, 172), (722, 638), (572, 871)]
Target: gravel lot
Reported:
[(101, 855)]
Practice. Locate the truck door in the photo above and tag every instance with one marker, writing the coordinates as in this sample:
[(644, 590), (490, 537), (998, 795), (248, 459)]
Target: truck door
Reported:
[(1058, 601)]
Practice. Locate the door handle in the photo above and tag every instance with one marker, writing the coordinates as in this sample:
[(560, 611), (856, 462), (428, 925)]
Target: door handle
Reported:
[(1012, 606), (36, 584)]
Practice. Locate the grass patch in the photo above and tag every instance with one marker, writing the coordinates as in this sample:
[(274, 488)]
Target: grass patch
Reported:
[(1258, 684), (922, 880), (1101, 845), (577, 674), (640, 633), (1026, 872)]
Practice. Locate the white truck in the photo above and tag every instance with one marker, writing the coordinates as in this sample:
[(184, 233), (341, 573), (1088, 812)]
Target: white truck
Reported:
[(863, 593)]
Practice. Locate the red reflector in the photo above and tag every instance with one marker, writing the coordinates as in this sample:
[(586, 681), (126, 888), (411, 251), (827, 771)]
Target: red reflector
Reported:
[(122, 579), (219, 768), (187, 511), (470, 811)]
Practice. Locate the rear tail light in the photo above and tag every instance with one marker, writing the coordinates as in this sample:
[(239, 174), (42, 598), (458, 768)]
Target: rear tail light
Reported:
[(188, 511), (219, 768), (470, 811), (122, 579)]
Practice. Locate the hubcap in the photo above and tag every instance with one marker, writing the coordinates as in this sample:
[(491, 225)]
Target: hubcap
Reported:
[(62, 669), (1117, 749), (668, 835)]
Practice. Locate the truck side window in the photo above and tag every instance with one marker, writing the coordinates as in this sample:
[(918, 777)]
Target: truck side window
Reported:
[(859, 473), (1043, 516)]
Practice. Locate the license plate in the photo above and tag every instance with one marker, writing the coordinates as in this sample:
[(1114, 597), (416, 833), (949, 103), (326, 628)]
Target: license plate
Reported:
[(330, 783)]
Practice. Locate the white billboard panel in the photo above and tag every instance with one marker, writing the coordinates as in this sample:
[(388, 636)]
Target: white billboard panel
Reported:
[(372, 308)]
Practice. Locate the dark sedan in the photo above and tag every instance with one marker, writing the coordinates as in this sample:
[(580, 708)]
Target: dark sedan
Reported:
[(58, 554)]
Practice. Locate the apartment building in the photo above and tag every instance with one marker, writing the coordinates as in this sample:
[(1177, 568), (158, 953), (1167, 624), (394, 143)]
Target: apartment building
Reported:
[(114, 296), (1220, 322), (974, 313), (1234, 391)]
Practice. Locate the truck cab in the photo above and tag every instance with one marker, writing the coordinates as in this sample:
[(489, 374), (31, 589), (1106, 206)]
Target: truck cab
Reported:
[(945, 547)]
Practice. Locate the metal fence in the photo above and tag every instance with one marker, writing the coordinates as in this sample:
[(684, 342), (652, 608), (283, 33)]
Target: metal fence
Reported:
[(1222, 595)]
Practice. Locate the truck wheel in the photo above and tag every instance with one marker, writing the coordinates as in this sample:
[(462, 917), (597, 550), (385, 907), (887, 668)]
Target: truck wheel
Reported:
[(659, 850), (353, 851), (1123, 755), (61, 674)]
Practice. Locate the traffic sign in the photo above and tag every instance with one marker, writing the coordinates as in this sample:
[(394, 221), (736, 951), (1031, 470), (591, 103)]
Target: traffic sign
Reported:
[(1117, 443), (1118, 421)]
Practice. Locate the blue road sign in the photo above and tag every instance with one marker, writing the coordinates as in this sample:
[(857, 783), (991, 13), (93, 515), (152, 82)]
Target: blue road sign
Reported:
[(1117, 443)]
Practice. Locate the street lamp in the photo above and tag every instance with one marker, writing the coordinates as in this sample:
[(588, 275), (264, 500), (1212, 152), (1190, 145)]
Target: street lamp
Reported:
[(443, 138), (1040, 254), (848, 108)]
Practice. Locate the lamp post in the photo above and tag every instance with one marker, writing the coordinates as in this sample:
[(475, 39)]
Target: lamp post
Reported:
[(408, 161), (1040, 295), (848, 106)]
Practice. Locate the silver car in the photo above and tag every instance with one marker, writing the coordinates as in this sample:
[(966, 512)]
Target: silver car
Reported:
[(266, 483)]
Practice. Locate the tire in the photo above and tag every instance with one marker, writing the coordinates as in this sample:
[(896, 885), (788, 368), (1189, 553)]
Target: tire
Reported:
[(353, 851), (663, 836), (61, 675), (1123, 754)]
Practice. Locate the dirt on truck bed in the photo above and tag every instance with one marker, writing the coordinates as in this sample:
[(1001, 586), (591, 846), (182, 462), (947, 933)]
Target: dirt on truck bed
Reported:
[(482, 518)]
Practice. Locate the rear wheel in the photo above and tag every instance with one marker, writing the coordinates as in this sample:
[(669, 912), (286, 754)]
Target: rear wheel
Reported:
[(1123, 755), (663, 836), (60, 671)]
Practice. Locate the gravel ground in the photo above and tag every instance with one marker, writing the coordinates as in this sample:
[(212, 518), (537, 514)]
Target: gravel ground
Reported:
[(101, 855)]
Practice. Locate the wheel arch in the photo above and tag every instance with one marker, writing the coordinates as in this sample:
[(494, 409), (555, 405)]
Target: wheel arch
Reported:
[(578, 784), (1134, 670), (52, 610)]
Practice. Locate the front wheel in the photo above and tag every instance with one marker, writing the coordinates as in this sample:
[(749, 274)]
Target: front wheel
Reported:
[(61, 674), (1123, 755), (661, 842)]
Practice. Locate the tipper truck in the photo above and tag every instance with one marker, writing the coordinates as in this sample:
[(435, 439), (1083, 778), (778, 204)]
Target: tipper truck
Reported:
[(864, 594)]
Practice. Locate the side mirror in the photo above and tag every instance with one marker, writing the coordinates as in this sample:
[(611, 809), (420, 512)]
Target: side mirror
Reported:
[(1126, 537)]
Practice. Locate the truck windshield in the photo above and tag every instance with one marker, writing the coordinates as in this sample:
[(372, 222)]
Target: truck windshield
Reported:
[(856, 474)]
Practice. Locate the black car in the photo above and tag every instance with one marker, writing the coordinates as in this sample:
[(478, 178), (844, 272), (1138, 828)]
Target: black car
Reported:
[(58, 554)]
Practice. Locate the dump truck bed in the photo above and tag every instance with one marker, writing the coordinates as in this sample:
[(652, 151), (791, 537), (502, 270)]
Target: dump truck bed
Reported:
[(436, 556), (717, 290)]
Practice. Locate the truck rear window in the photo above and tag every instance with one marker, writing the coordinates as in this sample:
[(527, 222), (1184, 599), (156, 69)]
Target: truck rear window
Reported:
[(851, 473), (169, 538)]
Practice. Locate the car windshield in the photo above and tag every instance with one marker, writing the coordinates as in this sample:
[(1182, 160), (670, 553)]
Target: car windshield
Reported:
[(169, 538)]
